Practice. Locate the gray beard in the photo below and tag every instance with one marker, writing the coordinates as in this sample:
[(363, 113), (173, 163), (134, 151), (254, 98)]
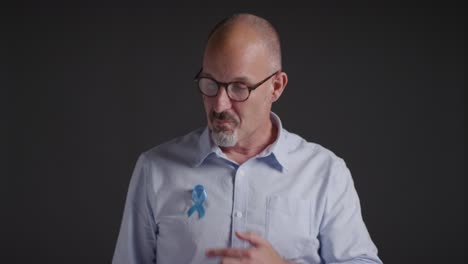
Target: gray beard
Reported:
[(224, 139)]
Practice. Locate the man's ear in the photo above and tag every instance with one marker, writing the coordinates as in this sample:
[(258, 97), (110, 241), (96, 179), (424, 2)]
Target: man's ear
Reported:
[(279, 83)]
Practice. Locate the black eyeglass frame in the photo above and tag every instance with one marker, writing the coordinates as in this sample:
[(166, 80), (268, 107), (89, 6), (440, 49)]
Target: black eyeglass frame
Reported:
[(226, 84)]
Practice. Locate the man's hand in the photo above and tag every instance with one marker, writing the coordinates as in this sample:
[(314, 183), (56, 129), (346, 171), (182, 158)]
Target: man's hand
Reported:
[(260, 252)]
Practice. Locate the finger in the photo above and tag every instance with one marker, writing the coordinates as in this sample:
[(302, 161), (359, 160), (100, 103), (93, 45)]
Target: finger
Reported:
[(252, 238), (226, 252)]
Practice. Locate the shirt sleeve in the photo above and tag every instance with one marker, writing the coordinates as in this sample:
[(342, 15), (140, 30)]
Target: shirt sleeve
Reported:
[(136, 243), (343, 234)]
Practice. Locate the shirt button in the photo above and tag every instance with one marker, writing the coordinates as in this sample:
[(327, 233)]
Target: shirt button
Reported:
[(238, 214), (241, 172)]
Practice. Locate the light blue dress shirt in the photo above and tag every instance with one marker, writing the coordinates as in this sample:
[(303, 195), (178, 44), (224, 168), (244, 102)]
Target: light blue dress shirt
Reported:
[(296, 194)]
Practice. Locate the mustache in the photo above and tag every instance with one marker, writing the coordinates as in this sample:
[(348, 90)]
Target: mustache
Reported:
[(223, 116)]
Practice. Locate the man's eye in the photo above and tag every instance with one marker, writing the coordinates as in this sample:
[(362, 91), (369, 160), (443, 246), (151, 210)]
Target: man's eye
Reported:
[(212, 86), (238, 86)]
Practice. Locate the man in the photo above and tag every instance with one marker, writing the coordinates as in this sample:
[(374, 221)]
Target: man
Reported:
[(242, 190)]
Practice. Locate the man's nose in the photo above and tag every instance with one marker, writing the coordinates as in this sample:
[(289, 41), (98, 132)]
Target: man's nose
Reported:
[(222, 101)]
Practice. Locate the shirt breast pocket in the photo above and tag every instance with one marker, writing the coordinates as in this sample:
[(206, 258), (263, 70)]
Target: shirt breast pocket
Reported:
[(288, 226)]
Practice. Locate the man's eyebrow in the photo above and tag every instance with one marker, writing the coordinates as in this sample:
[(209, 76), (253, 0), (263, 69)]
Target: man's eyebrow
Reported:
[(243, 79)]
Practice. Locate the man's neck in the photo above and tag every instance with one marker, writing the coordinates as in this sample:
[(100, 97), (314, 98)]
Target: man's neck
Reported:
[(252, 145)]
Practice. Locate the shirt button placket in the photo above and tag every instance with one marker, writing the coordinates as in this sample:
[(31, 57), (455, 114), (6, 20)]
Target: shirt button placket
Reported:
[(240, 205)]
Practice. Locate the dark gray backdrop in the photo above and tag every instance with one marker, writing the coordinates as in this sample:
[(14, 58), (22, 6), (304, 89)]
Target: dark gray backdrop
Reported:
[(90, 89)]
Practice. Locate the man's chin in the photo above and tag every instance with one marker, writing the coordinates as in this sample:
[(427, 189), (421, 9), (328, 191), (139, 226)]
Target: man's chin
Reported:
[(224, 138)]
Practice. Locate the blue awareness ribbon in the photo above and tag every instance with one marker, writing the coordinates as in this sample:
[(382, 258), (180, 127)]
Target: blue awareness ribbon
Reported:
[(198, 197)]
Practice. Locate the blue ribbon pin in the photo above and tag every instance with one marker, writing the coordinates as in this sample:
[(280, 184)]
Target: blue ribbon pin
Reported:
[(198, 197)]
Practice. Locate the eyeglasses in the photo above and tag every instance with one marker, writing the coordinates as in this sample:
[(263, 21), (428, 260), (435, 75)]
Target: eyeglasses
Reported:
[(236, 91)]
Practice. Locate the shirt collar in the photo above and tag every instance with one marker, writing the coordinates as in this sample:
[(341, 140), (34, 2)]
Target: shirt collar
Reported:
[(277, 151), (274, 155), (205, 146)]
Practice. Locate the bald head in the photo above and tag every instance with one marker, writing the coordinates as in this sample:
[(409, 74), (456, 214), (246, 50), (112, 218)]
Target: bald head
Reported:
[(249, 29)]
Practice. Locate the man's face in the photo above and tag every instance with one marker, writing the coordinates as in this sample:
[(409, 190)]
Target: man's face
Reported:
[(244, 60)]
